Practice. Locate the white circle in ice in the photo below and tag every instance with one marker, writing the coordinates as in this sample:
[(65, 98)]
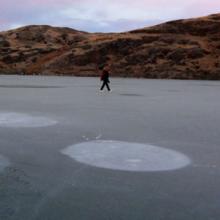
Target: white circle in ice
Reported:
[(12, 119), (126, 156), (4, 162)]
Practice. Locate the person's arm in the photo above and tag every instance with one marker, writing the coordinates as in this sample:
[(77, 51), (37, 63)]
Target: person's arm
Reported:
[(108, 77), (101, 75)]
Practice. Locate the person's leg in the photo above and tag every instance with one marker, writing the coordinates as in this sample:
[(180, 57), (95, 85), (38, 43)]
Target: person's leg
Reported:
[(107, 85), (103, 85)]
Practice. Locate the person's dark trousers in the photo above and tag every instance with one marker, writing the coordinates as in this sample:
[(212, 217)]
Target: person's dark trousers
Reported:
[(105, 84)]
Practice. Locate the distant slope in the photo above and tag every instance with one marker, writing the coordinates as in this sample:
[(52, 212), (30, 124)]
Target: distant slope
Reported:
[(182, 49)]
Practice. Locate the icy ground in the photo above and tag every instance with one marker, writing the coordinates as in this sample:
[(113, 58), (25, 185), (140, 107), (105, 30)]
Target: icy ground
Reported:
[(148, 150)]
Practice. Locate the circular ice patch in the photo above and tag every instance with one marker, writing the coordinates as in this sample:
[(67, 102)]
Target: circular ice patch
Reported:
[(24, 120), (3, 163), (126, 156)]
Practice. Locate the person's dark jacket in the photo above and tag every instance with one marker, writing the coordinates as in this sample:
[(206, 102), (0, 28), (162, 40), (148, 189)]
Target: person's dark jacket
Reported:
[(105, 76)]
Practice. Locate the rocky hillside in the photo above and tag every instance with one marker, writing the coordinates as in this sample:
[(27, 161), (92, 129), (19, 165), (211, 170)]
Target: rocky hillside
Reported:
[(182, 49)]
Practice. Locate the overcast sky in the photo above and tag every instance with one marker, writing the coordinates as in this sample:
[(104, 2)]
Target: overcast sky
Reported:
[(101, 15)]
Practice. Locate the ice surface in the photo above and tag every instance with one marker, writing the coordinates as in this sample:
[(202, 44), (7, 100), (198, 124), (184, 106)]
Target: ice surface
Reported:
[(42, 183), (126, 156)]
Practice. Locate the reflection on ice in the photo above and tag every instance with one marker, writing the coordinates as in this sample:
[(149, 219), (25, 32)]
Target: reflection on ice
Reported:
[(126, 156)]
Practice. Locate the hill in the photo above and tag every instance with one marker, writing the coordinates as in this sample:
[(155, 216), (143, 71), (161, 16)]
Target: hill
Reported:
[(182, 49)]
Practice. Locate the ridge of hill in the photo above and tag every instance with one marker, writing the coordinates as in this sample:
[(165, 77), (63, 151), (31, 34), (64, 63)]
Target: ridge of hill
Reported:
[(181, 49)]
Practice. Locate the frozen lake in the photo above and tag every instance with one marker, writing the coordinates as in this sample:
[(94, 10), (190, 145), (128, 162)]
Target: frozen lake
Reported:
[(148, 150)]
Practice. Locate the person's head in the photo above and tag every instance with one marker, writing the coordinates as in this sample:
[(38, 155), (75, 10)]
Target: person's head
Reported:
[(107, 67)]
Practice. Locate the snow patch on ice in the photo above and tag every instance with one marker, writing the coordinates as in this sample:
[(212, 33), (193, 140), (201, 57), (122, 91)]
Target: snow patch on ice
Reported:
[(126, 156), (4, 162), (11, 119)]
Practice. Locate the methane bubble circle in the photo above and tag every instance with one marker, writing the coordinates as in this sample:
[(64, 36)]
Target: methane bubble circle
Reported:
[(12, 119), (126, 156), (4, 162)]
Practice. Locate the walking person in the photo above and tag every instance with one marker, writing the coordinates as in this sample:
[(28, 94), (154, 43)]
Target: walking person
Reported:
[(105, 78)]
